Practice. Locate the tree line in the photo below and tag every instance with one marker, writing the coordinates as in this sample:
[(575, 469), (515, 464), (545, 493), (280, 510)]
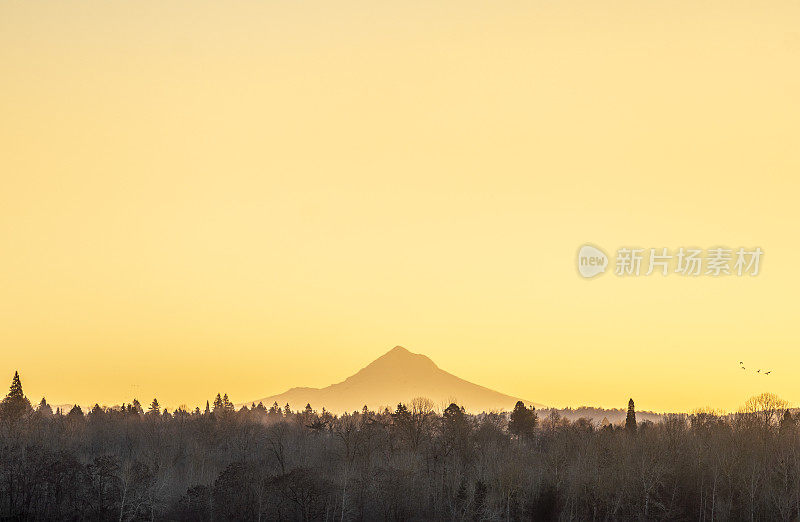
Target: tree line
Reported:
[(412, 462)]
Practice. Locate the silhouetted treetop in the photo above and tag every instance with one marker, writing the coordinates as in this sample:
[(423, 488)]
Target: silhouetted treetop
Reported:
[(44, 409), (630, 419), (522, 421), (15, 405)]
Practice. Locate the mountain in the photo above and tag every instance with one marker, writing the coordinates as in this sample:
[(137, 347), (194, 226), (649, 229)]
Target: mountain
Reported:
[(396, 376)]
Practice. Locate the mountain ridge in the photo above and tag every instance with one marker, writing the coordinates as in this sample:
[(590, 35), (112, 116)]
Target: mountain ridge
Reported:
[(396, 376)]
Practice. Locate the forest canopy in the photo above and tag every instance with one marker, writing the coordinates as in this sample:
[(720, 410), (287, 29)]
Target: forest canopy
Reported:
[(412, 462)]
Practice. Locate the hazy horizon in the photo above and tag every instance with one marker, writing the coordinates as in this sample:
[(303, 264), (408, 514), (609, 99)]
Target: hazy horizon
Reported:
[(381, 391)]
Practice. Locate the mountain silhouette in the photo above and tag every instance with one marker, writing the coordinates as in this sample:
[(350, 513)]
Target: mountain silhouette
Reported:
[(396, 376)]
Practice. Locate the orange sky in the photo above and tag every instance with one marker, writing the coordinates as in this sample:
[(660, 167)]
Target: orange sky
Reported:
[(203, 196)]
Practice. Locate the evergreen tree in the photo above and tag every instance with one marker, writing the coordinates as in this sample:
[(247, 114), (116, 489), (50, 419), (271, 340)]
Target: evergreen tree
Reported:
[(137, 407), (44, 409), (208, 408), (630, 420), (455, 427), (452, 413), (155, 408), (522, 421), (15, 391), (401, 417), (15, 404), (218, 404), (287, 411), (227, 404), (401, 411)]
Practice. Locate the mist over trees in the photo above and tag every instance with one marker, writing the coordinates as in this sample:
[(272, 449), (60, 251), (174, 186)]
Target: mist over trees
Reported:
[(267, 462)]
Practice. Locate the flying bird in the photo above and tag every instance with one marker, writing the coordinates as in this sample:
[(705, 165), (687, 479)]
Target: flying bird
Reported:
[(742, 366)]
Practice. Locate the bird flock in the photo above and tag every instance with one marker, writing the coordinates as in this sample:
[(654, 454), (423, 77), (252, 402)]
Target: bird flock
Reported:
[(759, 371)]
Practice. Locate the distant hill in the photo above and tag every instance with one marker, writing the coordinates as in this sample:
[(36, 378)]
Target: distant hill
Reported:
[(396, 376), (598, 415)]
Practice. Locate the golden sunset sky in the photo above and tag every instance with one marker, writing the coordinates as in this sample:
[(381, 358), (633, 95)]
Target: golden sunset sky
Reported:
[(247, 196)]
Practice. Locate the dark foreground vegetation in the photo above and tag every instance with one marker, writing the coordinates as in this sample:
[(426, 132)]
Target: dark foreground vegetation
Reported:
[(409, 464)]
